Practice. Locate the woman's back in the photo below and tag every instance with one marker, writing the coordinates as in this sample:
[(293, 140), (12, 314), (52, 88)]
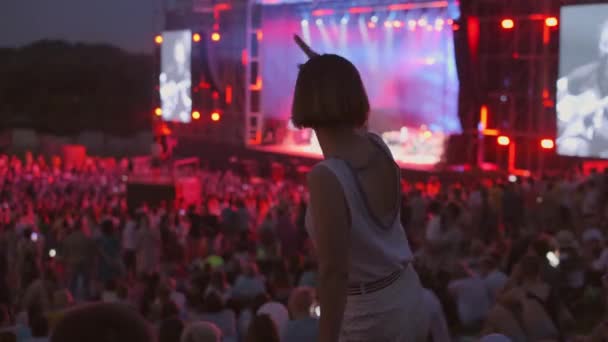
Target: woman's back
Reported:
[(375, 172), (371, 184)]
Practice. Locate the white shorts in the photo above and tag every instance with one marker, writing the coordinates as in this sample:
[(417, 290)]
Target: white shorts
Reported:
[(396, 313)]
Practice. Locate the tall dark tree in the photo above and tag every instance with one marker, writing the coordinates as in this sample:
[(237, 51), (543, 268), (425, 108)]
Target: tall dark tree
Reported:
[(65, 88)]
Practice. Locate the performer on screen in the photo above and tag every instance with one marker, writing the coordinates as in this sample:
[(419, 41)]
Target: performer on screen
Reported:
[(582, 103), (175, 83)]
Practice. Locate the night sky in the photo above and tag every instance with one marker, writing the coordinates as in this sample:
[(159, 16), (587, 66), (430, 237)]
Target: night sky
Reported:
[(129, 24)]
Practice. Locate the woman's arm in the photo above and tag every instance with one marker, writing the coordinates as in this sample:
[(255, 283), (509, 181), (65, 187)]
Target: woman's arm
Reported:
[(331, 220)]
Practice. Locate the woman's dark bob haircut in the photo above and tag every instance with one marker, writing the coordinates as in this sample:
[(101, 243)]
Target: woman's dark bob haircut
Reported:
[(329, 93)]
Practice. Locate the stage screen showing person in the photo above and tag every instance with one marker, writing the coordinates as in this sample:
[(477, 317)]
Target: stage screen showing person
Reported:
[(175, 76), (582, 85)]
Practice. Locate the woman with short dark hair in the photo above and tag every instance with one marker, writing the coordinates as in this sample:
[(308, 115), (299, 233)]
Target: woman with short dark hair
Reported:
[(367, 287)]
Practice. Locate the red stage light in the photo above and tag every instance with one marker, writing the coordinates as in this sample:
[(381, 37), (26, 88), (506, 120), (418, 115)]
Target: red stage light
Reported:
[(158, 111), (158, 39), (503, 140), (196, 115), (215, 116), (483, 118), (547, 144), (196, 37), (216, 37), (507, 24), (551, 22), (228, 94)]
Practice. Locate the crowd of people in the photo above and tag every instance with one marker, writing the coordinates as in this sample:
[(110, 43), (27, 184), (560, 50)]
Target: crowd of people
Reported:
[(523, 258)]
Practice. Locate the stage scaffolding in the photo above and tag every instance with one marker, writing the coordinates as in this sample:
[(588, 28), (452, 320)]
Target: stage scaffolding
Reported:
[(517, 71)]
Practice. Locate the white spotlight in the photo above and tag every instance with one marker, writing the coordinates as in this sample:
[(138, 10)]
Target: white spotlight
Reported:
[(304, 22), (344, 21), (374, 19), (319, 22)]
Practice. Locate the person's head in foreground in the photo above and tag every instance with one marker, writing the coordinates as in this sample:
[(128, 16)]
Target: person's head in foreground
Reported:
[(102, 322), (201, 332), (278, 314), (495, 338), (329, 94), (262, 329), (170, 330)]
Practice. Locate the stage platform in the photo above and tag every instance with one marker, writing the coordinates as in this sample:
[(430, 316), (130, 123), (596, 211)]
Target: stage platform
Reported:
[(304, 151)]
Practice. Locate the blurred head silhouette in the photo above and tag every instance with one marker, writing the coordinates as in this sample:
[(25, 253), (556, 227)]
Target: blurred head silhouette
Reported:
[(102, 322), (329, 93)]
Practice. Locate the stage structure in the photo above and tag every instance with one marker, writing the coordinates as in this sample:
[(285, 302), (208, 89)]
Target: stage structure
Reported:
[(200, 55), (403, 50)]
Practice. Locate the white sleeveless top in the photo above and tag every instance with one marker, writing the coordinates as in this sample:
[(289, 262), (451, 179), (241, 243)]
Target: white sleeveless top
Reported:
[(376, 250)]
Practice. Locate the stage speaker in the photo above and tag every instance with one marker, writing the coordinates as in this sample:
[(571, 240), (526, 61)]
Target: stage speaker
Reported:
[(152, 194)]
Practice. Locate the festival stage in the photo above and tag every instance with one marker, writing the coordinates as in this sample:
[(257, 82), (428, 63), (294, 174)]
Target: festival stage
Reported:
[(413, 149), (405, 56)]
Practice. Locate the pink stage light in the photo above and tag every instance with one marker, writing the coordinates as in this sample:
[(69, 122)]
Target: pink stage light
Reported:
[(359, 10), (397, 24), (411, 25), (322, 12), (410, 6)]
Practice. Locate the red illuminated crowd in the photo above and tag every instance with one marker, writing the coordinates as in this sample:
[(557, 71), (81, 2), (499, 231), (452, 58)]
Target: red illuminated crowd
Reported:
[(524, 259)]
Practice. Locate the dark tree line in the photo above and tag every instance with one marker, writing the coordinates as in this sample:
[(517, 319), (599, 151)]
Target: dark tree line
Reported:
[(64, 88)]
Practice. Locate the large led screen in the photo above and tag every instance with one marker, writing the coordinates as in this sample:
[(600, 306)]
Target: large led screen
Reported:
[(175, 76), (582, 85)]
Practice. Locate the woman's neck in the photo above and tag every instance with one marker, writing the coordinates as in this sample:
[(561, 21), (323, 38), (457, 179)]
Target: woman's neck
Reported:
[(334, 141)]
